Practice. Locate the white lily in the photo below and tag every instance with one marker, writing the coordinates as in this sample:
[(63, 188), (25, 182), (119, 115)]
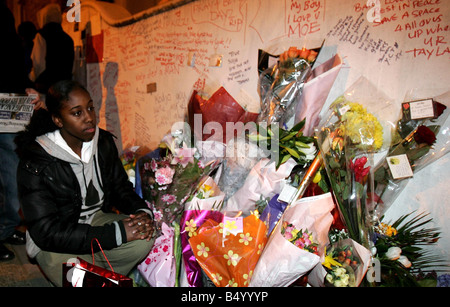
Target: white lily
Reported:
[(393, 253), (405, 261)]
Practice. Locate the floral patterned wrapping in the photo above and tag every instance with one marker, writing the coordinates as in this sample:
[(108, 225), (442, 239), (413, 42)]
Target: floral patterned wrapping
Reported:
[(204, 205), (228, 251), (189, 223), (158, 268)]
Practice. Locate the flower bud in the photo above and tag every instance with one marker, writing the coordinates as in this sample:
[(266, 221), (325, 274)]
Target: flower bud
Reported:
[(404, 261), (393, 252)]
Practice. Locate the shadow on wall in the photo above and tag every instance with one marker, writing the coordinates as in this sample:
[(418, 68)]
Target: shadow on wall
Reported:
[(110, 77)]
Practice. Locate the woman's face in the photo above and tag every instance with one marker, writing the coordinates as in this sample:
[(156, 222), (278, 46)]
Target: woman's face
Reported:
[(77, 119)]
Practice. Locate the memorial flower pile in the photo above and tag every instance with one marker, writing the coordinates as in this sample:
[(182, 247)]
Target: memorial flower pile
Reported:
[(279, 224)]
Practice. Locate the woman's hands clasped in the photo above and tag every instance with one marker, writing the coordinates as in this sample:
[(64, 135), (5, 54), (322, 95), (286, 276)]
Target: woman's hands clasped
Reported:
[(139, 226)]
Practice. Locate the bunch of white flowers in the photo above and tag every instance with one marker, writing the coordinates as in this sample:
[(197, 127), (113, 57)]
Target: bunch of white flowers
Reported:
[(394, 253), (339, 277)]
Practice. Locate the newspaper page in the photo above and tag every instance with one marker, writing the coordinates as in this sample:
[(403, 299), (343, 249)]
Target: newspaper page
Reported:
[(15, 111)]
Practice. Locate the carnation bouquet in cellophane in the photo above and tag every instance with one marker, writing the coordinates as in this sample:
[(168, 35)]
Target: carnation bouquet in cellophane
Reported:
[(346, 263), (171, 177), (353, 131)]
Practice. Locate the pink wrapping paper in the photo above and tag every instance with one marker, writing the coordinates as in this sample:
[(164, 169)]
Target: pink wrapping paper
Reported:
[(315, 93), (158, 269), (281, 262)]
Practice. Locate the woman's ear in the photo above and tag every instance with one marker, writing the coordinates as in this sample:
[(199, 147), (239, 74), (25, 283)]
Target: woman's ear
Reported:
[(57, 121)]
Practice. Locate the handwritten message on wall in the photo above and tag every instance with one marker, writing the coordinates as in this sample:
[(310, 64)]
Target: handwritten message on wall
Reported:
[(150, 67)]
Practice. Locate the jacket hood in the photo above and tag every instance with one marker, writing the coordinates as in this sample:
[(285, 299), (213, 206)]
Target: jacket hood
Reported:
[(55, 146)]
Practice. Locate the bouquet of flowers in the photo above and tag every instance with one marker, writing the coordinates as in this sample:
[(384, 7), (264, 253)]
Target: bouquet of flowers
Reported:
[(228, 250), (290, 92), (129, 157), (348, 140), (297, 242), (285, 144), (399, 250), (205, 204), (282, 85), (346, 263), (301, 238), (420, 142), (167, 182)]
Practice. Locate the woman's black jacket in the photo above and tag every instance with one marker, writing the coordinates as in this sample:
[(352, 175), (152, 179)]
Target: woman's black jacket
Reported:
[(51, 202)]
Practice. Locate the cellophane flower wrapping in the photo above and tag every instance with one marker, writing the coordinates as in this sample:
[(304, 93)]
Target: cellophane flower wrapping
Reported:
[(204, 205), (422, 140), (168, 180), (284, 261), (315, 93), (228, 250), (349, 138), (159, 267), (263, 180), (280, 88), (347, 267), (241, 156)]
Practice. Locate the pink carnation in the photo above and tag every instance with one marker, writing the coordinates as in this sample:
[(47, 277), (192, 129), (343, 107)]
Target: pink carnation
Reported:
[(168, 198), (164, 175), (153, 165)]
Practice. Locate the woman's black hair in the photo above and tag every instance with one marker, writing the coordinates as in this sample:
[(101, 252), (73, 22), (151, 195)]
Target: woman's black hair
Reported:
[(41, 122)]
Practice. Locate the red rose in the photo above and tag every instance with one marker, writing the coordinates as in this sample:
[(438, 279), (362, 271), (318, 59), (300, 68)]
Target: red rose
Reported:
[(424, 134), (358, 168)]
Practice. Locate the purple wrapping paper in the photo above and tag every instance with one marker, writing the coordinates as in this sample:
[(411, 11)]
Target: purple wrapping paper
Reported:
[(193, 269), (273, 212)]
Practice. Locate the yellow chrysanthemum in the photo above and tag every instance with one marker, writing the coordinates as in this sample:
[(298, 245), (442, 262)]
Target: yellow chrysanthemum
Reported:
[(362, 127)]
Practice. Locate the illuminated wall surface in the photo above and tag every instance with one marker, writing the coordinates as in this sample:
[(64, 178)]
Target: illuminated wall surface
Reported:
[(141, 70)]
